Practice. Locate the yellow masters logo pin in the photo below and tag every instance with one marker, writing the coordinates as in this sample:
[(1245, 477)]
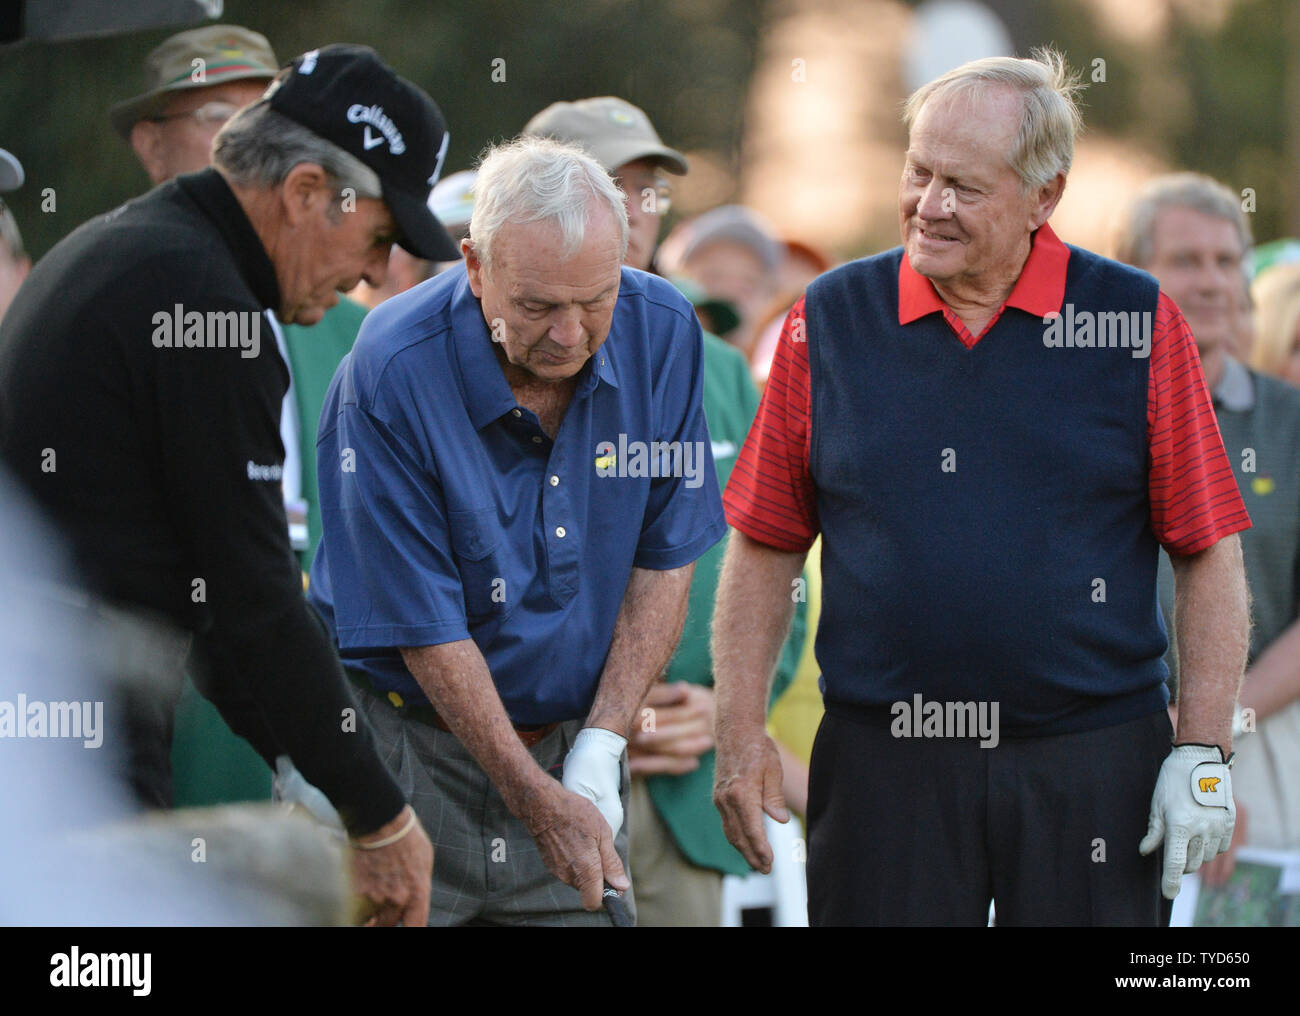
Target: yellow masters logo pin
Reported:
[(606, 461), (1262, 485)]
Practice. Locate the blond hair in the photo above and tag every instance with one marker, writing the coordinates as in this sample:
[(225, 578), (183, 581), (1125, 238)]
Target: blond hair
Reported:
[(1277, 313), (1050, 120)]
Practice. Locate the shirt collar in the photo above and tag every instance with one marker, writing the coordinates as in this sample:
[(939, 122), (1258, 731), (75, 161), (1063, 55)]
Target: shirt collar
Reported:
[(1040, 289), (486, 391), (208, 189), (1236, 389)]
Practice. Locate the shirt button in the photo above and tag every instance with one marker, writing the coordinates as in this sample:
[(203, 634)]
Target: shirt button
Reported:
[(559, 531), (555, 481), (537, 439), (516, 412)]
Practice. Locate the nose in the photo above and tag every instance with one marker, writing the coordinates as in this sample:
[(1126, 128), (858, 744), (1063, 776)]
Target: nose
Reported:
[(566, 331), (936, 201), (376, 270), (1224, 278)]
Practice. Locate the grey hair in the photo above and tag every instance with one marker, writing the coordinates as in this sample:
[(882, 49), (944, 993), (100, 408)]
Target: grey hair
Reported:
[(535, 179), (1049, 122), (1201, 193), (258, 147)]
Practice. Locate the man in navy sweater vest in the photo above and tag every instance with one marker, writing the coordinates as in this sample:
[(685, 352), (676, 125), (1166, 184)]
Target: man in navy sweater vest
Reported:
[(994, 433)]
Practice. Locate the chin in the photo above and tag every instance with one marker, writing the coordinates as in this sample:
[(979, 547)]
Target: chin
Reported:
[(550, 371), (929, 266)]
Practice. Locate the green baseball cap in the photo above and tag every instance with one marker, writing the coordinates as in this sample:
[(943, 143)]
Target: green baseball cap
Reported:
[(613, 130), (223, 53)]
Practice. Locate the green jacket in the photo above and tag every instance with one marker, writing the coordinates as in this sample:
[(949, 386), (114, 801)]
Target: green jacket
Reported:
[(685, 802)]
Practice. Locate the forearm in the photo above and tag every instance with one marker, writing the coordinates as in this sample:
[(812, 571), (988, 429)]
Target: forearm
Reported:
[(1273, 681), (456, 679), (751, 619), (1212, 623), (645, 637)]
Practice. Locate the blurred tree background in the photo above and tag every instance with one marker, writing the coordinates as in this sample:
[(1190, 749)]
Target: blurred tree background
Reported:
[(1220, 94), (685, 62)]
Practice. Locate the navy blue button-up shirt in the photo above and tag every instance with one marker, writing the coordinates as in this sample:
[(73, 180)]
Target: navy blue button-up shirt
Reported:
[(449, 514)]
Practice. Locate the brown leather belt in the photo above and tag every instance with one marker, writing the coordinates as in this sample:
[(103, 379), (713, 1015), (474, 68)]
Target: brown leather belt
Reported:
[(529, 735)]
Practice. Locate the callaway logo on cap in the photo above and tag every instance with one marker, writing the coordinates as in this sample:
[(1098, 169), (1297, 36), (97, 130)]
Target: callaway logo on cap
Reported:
[(347, 95)]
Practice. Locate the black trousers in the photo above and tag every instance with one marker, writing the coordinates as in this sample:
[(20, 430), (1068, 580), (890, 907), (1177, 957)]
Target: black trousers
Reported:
[(926, 831)]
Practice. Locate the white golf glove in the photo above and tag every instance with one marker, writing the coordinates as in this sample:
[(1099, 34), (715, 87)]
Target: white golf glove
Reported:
[(592, 769), (1191, 810)]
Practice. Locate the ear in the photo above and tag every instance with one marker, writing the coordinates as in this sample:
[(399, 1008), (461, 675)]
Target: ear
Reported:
[(146, 139), (473, 267), (1046, 199), (304, 193)]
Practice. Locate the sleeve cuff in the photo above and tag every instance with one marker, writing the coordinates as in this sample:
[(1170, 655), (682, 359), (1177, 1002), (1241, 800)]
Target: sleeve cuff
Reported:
[(683, 554), (400, 636)]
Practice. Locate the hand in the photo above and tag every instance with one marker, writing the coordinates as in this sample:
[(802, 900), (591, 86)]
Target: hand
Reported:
[(575, 842), (682, 729), (1218, 871), (593, 769), (396, 880), (1191, 810), (747, 783)]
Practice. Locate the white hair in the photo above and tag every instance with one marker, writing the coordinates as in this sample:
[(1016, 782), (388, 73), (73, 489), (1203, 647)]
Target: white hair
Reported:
[(537, 179), (1050, 120)]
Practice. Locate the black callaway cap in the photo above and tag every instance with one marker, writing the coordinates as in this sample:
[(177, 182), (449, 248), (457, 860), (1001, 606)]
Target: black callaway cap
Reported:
[(347, 95)]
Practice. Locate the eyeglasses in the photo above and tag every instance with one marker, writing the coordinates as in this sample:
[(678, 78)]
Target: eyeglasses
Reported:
[(663, 192), (663, 196), (209, 114)]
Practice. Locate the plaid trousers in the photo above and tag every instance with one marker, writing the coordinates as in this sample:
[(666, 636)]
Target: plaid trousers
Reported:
[(487, 869)]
